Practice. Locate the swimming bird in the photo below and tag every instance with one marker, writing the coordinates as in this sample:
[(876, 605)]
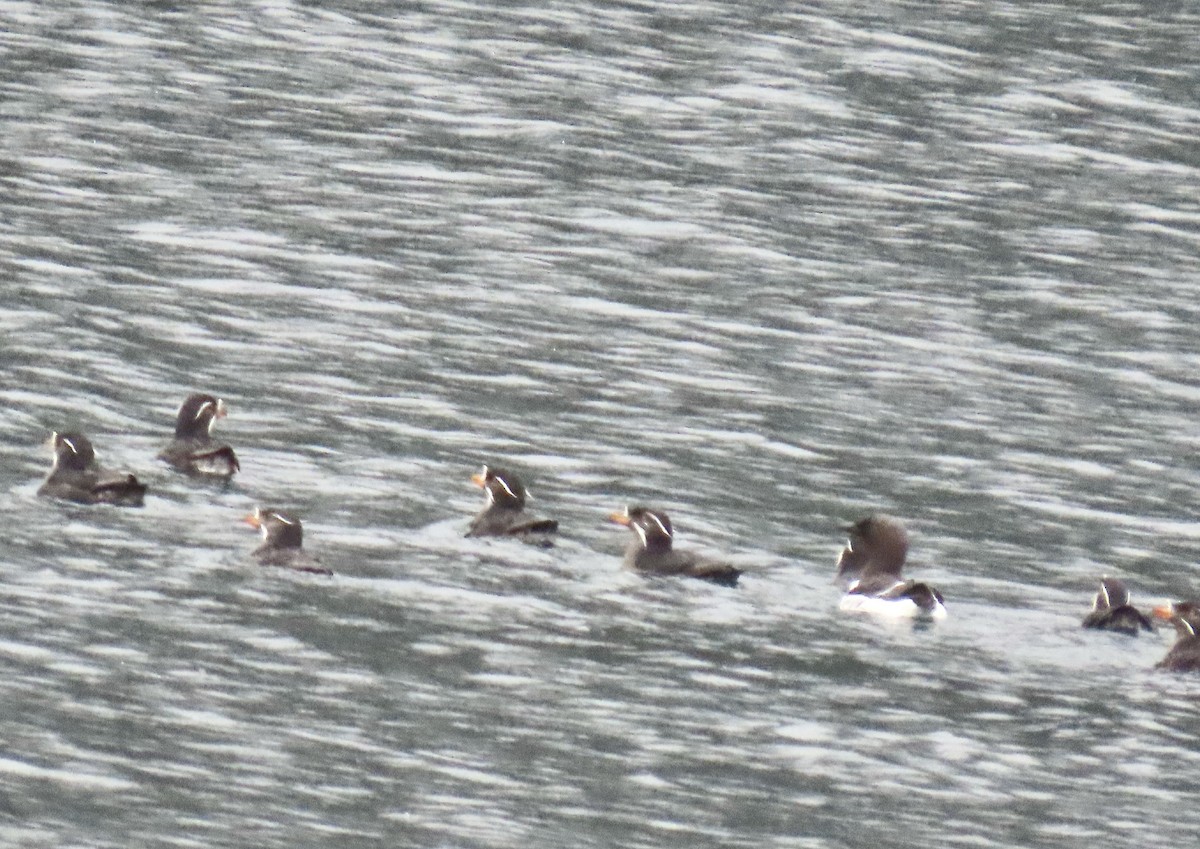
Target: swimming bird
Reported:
[(1184, 656), (283, 538), (872, 561), (1111, 610), (651, 552), (193, 450), (75, 476), (504, 513)]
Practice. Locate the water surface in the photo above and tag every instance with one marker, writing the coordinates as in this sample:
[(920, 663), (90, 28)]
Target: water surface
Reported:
[(770, 269)]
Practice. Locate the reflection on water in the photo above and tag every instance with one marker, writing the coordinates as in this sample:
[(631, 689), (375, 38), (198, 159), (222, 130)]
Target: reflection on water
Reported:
[(767, 269)]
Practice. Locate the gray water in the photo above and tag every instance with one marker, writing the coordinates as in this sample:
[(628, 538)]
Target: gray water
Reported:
[(767, 266)]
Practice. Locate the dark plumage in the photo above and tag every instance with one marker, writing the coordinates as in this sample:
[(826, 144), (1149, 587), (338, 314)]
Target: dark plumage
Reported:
[(504, 514), (1111, 610), (283, 537), (1184, 656), (76, 477), (872, 562), (651, 552), (193, 450)]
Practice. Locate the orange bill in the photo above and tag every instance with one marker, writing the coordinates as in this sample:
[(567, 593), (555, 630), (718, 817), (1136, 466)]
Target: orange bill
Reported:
[(1164, 611)]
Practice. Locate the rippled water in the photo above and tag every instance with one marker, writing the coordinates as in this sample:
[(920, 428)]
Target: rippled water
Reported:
[(769, 268)]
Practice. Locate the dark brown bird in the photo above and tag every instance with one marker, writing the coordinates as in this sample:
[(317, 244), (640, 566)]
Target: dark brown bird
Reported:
[(76, 477), (872, 561), (1111, 610), (504, 513), (1184, 656), (193, 450), (283, 538), (651, 552)]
